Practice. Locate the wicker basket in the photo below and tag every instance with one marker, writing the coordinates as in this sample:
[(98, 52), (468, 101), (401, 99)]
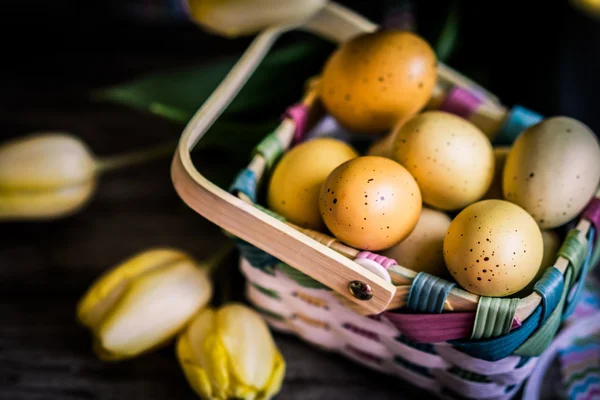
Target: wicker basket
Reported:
[(363, 305)]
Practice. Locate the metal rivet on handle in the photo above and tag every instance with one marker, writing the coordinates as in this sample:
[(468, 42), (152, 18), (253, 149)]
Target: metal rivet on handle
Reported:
[(360, 290)]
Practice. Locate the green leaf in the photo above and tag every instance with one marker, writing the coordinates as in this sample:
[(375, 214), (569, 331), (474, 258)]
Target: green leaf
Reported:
[(278, 82), (177, 94), (446, 43), (236, 137)]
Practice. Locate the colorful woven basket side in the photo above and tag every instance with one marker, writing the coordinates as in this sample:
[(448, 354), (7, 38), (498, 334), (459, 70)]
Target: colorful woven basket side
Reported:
[(484, 353), (365, 306), (292, 303)]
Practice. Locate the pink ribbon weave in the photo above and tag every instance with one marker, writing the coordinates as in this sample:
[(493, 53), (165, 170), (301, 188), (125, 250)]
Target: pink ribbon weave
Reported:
[(299, 114), (435, 328), (592, 213), (381, 260), (461, 102)]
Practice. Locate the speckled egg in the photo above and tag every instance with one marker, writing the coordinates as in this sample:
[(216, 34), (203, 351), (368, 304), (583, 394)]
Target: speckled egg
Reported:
[(553, 170), (495, 189), (450, 158), (493, 248), (423, 249), (376, 79), (370, 203), (293, 190)]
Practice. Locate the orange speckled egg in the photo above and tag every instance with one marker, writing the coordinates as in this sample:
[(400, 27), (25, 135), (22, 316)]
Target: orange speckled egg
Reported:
[(451, 159), (493, 248), (377, 79), (370, 203)]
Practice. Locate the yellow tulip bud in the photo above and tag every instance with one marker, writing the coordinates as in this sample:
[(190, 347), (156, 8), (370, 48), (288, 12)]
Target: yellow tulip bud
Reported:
[(246, 17), (143, 302), (52, 175), (45, 175), (229, 353)]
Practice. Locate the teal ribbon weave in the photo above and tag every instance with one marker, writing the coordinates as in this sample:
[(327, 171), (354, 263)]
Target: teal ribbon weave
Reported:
[(428, 293), (245, 182), (577, 253), (519, 119), (543, 336), (550, 288)]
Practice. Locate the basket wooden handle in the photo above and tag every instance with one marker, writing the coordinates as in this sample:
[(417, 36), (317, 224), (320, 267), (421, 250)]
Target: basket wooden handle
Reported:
[(254, 226), (275, 237)]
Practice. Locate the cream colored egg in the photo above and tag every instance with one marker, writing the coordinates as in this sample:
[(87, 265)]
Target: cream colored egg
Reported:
[(495, 189), (382, 147), (553, 170), (294, 186), (376, 79), (552, 244), (493, 248), (423, 249), (370, 203), (450, 158)]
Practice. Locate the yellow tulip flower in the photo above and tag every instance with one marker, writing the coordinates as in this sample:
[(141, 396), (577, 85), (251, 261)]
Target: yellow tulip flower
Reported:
[(590, 7), (45, 175), (50, 175), (234, 18), (229, 353), (143, 302)]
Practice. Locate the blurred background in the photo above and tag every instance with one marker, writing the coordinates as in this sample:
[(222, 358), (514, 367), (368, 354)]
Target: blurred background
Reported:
[(56, 55), (545, 57)]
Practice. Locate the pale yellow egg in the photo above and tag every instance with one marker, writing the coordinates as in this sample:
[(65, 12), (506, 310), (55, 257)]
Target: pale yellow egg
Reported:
[(451, 159), (553, 170), (493, 248), (423, 249), (294, 186), (552, 244), (495, 189)]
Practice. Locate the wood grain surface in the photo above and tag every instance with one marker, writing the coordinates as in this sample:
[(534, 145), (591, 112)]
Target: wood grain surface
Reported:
[(46, 267)]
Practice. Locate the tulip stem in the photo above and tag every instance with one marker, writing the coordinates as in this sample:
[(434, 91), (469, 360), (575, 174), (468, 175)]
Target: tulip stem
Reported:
[(224, 281), (213, 262), (226, 290), (135, 157)]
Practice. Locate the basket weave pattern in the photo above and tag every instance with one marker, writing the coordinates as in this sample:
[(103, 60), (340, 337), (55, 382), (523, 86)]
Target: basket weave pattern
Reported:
[(319, 318), (487, 354)]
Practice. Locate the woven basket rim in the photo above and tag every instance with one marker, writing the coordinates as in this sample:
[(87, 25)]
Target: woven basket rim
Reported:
[(260, 166)]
